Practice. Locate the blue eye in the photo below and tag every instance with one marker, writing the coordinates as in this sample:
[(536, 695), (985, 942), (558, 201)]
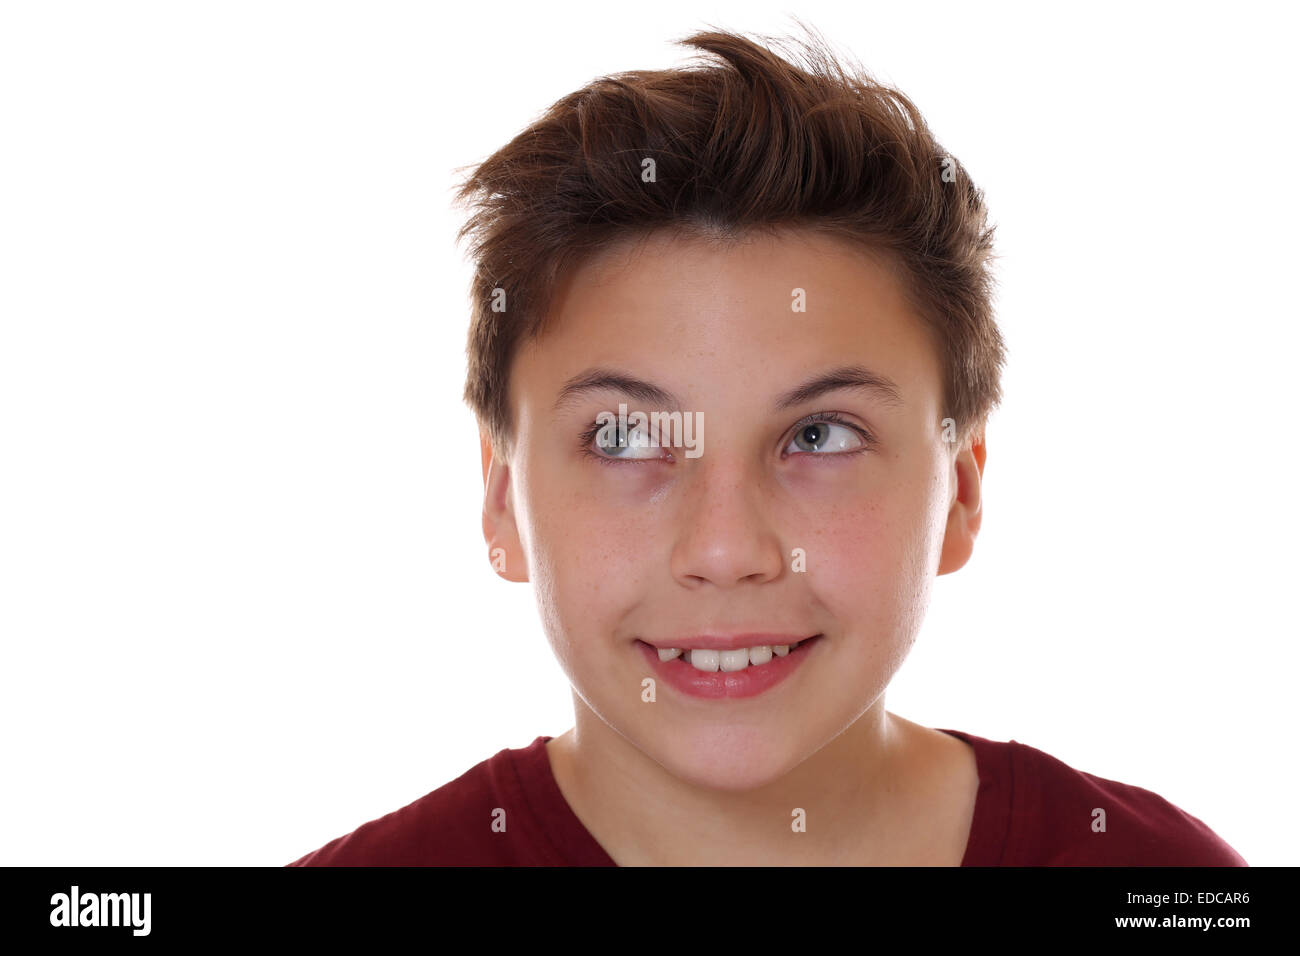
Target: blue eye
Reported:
[(827, 430), (620, 446)]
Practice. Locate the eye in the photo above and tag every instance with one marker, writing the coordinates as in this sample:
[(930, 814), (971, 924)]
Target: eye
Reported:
[(607, 444), (827, 430)]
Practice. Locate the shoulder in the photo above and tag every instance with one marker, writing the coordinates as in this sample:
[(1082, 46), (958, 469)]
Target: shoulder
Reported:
[(450, 826), (1061, 816)]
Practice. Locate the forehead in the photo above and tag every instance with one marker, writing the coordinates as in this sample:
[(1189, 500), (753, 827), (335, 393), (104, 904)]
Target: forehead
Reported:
[(699, 308), (659, 266), (767, 258)]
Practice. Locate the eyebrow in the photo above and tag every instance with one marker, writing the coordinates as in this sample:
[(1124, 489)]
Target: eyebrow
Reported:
[(855, 377)]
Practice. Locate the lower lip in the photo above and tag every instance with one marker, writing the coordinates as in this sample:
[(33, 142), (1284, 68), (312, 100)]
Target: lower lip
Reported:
[(753, 680)]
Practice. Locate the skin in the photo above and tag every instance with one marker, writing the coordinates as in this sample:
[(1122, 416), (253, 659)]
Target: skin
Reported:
[(663, 545)]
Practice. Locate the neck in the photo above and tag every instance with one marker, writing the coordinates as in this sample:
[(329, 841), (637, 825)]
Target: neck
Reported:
[(643, 815)]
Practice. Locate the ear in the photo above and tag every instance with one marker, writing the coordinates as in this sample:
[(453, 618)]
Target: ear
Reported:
[(505, 553), (964, 513)]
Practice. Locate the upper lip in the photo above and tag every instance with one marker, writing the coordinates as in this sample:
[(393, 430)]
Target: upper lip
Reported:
[(730, 642)]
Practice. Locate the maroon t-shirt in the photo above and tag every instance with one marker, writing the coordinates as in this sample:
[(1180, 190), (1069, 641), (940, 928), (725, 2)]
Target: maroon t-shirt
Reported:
[(1031, 810)]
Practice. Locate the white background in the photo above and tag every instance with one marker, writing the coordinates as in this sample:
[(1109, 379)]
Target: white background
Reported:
[(245, 600)]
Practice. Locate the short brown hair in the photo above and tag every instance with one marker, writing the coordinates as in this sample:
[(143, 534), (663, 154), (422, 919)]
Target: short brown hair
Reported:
[(753, 143)]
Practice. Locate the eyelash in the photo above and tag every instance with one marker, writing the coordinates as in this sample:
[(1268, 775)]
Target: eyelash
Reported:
[(834, 418)]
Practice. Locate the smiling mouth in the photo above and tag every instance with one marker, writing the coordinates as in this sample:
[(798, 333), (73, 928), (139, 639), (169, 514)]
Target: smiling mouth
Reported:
[(710, 660)]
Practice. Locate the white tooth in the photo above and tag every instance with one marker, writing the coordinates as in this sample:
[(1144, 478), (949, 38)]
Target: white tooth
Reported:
[(780, 650), (760, 655), (668, 653), (704, 659), (736, 660), (795, 644)]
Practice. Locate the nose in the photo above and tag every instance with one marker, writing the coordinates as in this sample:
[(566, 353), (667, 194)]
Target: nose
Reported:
[(725, 535)]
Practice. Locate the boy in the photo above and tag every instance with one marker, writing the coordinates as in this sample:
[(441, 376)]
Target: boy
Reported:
[(789, 256)]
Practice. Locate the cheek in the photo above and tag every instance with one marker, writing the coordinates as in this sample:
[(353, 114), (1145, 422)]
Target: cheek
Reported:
[(873, 562), (595, 524), (584, 564), (589, 554)]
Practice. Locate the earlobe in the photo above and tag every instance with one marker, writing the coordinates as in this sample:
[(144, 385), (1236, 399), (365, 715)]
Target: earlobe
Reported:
[(505, 552), (966, 512)]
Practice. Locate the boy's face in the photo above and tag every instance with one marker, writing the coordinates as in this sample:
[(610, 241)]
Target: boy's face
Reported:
[(653, 545)]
